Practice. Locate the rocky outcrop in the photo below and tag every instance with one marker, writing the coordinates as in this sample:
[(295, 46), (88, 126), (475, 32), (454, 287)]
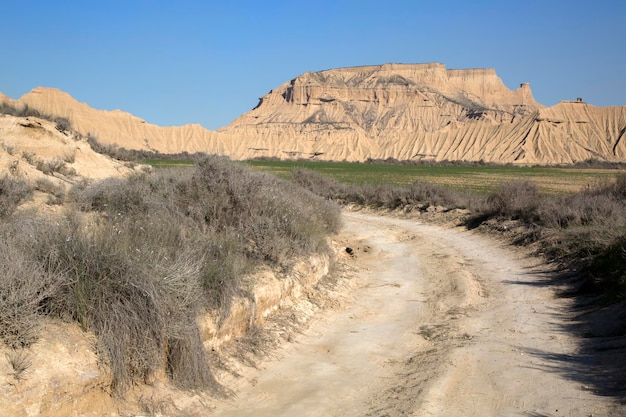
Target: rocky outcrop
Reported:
[(415, 112), (401, 111)]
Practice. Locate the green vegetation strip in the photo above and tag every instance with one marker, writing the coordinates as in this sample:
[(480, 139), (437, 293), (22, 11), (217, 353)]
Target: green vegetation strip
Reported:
[(482, 179), (168, 163)]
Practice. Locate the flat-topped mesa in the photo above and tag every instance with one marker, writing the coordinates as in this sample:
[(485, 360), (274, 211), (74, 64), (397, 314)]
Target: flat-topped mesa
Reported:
[(487, 87), (389, 83), (400, 111)]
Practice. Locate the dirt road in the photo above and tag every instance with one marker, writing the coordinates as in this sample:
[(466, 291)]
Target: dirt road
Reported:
[(440, 322)]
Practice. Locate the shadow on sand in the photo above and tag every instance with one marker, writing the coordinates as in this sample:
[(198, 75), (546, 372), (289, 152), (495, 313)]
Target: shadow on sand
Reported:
[(600, 362)]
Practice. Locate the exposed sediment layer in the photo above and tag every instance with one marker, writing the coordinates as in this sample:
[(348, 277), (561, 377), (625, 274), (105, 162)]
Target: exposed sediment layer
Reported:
[(401, 111), (65, 377)]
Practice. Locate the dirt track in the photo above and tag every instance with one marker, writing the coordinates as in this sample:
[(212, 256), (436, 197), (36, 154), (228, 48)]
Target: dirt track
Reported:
[(440, 322)]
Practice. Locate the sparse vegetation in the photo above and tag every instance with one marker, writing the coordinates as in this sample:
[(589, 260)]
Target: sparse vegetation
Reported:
[(585, 232), (146, 254), (150, 157), (143, 256), (20, 361), (63, 125), (13, 191), (50, 166), (56, 191)]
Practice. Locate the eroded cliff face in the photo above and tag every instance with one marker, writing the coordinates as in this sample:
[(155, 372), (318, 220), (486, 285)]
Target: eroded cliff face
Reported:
[(401, 111), (425, 111)]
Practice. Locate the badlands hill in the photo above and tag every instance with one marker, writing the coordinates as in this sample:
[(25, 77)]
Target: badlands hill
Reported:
[(51, 159), (401, 111)]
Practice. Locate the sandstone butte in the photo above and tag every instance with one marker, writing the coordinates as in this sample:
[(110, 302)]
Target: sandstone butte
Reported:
[(401, 111)]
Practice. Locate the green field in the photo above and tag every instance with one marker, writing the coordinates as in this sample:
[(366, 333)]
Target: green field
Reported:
[(473, 178), (476, 178), (168, 163)]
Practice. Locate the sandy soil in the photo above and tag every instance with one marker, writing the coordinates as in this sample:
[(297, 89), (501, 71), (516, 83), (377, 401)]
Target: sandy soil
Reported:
[(439, 322)]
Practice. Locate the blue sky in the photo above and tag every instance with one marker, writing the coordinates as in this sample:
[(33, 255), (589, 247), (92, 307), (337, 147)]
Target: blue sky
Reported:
[(207, 62)]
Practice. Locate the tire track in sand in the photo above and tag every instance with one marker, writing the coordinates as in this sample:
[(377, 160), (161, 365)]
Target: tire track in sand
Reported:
[(442, 322)]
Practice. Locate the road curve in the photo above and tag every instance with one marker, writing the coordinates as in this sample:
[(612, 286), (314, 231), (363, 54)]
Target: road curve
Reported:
[(440, 322)]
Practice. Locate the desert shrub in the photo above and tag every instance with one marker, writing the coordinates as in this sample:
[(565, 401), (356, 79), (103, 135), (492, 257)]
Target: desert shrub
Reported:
[(317, 183), (101, 148), (24, 111), (114, 195), (10, 149), (134, 283), (13, 192), (50, 166), (584, 232), (275, 219), (606, 272), (434, 194), (619, 188), (69, 155), (138, 258), (247, 217), (63, 125), (56, 191), (420, 193), (137, 155), (25, 285), (517, 200), (29, 157)]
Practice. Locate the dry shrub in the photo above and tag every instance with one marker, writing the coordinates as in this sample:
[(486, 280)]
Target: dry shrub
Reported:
[(20, 361), (584, 232), (114, 195), (274, 219), (56, 191), (317, 183), (139, 258), (167, 239), (25, 285), (434, 194), (606, 272), (13, 191), (517, 200), (419, 193), (53, 165), (125, 281)]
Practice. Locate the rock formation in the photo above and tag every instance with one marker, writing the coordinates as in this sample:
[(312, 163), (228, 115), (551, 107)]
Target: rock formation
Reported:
[(401, 111), (38, 150)]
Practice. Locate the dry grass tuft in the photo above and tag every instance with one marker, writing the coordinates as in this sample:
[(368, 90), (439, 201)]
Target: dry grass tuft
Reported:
[(136, 260)]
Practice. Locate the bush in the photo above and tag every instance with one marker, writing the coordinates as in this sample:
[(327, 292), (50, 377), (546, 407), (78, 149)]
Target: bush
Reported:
[(62, 124), (134, 283), (317, 183), (517, 200), (606, 272), (25, 285), (163, 241), (135, 260), (12, 193), (274, 219), (419, 193), (56, 191), (50, 166)]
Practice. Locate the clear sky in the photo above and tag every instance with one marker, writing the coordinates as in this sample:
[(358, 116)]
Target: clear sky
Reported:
[(207, 62)]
